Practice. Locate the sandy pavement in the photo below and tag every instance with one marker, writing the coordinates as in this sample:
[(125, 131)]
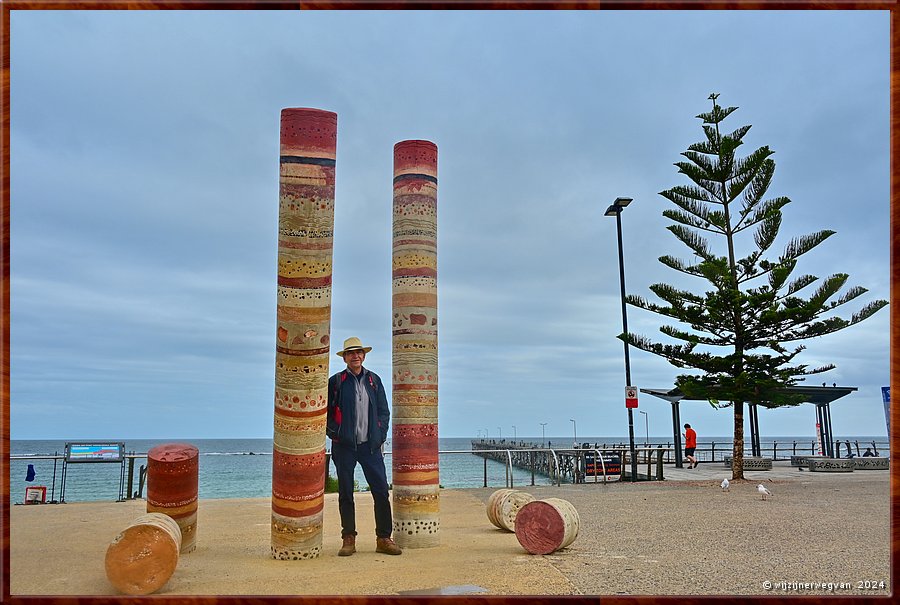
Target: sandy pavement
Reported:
[(658, 538)]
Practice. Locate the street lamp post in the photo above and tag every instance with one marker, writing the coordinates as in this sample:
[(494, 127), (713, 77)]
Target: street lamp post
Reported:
[(543, 424), (646, 425), (616, 210), (500, 432), (515, 436), (574, 428)]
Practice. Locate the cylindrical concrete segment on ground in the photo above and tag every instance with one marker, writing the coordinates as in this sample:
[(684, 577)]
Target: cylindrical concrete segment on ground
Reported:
[(141, 559), (173, 485), (305, 244), (416, 480), (544, 526), (503, 506)]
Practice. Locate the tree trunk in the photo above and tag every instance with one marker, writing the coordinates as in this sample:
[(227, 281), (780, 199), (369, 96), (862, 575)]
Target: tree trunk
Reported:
[(737, 453)]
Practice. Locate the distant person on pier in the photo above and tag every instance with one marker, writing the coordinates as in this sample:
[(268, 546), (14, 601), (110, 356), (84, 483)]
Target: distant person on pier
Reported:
[(690, 444), (358, 416), (868, 453)]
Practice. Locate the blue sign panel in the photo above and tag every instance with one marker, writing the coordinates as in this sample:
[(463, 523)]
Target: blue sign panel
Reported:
[(95, 452)]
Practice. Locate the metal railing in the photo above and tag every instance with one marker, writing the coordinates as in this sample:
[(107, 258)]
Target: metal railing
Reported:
[(124, 494), (713, 451), (572, 463), (561, 464)]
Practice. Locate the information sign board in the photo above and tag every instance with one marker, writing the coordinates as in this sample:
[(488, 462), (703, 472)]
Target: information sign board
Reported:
[(95, 452)]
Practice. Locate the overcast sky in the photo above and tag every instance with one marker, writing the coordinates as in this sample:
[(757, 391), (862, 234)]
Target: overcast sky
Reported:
[(144, 203)]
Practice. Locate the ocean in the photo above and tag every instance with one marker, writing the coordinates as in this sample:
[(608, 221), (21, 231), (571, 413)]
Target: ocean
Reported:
[(228, 468), (242, 468)]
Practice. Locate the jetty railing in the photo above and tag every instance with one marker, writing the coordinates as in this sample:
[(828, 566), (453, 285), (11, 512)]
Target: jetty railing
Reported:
[(571, 464), (574, 465), (554, 465), (711, 451)]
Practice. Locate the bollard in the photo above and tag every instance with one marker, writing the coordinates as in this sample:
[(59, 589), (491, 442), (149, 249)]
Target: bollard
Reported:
[(544, 526), (173, 474), (142, 558), (503, 506)]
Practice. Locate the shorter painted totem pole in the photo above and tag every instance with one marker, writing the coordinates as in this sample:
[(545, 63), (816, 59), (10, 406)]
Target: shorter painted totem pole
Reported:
[(416, 477)]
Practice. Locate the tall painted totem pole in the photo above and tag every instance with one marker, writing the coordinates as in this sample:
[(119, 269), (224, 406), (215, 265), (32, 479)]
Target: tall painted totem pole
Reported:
[(416, 479), (305, 242)]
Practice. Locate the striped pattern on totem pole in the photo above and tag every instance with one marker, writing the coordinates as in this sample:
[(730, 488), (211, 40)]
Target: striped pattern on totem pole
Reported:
[(305, 245), (416, 479)]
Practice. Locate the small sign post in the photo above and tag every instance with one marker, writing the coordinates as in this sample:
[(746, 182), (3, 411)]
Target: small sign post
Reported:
[(35, 494), (631, 397)]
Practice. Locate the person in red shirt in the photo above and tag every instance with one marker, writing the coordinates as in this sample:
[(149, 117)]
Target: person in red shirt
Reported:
[(690, 444)]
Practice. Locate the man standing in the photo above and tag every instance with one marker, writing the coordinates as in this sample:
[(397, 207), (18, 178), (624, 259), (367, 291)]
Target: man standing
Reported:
[(358, 416), (690, 444)]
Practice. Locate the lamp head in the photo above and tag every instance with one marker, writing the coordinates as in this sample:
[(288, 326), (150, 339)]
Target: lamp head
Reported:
[(617, 206)]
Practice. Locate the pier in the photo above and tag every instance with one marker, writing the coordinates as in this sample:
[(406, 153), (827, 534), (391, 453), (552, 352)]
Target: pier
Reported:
[(605, 462), (586, 463)]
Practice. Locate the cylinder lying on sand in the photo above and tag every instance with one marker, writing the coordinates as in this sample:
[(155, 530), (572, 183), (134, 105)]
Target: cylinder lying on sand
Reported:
[(142, 558), (544, 526), (503, 506)]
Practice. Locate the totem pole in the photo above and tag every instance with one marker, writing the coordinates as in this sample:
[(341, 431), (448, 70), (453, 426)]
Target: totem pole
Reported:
[(416, 479), (305, 241)]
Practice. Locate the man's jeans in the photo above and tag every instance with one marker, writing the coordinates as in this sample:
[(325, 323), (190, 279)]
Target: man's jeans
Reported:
[(345, 460)]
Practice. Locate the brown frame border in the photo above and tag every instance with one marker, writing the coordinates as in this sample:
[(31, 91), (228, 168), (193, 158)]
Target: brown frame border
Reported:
[(9, 5)]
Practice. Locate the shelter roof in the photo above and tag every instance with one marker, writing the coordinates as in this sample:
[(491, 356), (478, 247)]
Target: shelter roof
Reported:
[(818, 395)]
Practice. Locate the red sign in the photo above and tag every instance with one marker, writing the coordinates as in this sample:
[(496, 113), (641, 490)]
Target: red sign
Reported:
[(631, 397), (35, 494)]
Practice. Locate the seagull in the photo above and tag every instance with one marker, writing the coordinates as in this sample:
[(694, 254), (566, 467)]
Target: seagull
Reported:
[(763, 491), (724, 485)]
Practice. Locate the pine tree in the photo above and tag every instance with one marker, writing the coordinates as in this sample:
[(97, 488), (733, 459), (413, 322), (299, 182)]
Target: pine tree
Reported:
[(738, 330)]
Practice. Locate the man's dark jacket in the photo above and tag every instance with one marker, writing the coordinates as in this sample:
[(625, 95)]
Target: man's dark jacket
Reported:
[(341, 423)]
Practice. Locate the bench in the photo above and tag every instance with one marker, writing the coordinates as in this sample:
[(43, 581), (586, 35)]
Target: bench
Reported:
[(871, 463), (803, 460), (832, 465), (753, 463)]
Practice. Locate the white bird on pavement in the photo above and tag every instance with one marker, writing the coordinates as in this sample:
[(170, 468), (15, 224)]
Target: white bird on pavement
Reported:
[(725, 485), (763, 491)]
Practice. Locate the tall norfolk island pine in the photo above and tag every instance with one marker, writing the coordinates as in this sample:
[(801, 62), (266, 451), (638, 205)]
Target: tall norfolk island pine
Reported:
[(755, 306)]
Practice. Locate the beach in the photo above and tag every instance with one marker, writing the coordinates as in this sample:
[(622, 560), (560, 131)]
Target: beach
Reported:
[(819, 534)]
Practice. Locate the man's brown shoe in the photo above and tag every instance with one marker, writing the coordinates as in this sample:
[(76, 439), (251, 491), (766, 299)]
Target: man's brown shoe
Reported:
[(349, 546), (387, 546)]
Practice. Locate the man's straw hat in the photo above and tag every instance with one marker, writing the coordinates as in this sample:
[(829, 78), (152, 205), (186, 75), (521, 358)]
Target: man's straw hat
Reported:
[(353, 344)]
